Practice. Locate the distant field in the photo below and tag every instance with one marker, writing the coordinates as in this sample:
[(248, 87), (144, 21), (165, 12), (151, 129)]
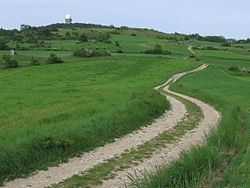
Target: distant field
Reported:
[(37, 53), (140, 41), (132, 44), (48, 108)]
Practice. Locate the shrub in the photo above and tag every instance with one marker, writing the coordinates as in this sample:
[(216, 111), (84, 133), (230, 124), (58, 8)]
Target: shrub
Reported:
[(83, 38), (233, 68), (3, 45), (67, 35), (9, 62), (85, 52), (226, 45), (117, 44), (245, 70), (211, 48), (192, 55), (104, 37), (119, 51), (34, 61), (53, 59), (157, 50)]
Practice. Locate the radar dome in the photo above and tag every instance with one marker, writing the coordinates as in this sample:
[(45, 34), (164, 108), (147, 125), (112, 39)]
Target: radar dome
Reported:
[(68, 16)]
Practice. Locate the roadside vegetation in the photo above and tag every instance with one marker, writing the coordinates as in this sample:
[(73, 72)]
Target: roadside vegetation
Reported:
[(224, 160)]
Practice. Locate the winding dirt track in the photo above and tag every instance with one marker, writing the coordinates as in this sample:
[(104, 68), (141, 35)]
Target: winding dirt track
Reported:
[(172, 152), (88, 160)]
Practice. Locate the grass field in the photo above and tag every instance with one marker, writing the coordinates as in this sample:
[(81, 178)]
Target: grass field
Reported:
[(60, 110), (51, 112), (225, 160)]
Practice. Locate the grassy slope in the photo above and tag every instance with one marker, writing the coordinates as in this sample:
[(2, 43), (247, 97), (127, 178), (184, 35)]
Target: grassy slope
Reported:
[(224, 161), (50, 112), (144, 39), (59, 98)]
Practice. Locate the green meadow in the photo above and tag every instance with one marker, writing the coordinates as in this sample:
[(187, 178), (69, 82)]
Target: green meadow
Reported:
[(51, 112)]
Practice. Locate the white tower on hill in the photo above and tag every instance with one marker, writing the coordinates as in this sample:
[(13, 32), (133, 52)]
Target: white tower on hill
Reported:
[(68, 19)]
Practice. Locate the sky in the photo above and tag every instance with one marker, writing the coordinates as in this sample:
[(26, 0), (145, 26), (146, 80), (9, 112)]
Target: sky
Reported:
[(230, 18)]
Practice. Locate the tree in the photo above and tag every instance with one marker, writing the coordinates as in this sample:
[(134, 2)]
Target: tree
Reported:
[(67, 34), (158, 49), (83, 38), (24, 27), (3, 44), (53, 59), (220, 39)]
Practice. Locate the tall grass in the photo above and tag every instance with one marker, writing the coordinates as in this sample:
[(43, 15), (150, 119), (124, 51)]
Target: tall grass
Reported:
[(206, 165), (76, 107), (40, 147), (201, 161)]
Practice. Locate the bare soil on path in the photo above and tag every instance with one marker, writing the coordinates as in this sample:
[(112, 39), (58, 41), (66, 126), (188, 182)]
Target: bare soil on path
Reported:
[(171, 152)]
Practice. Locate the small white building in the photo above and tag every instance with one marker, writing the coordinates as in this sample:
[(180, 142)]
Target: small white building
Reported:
[(12, 53), (68, 19)]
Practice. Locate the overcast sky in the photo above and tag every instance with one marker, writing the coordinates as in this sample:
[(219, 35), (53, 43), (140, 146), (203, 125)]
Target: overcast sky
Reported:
[(230, 18)]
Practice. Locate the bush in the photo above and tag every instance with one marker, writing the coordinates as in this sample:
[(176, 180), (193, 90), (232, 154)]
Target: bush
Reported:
[(83, 38), (53, 59), (157, 50), (245, 70), (211, 48), (85, 52), (226, 45), (104, 37), (34, 61), (233, 68), (9, 62), (120, 51), (192, 55), (117, 44), (3, 45)]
